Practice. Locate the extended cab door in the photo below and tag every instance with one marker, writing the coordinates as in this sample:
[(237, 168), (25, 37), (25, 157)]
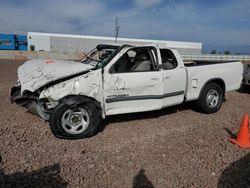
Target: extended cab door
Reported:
[(174, 77), (133, 82)]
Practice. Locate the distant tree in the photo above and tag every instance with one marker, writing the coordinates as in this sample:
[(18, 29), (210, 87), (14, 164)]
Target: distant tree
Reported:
[(227, 52), (213, 52)]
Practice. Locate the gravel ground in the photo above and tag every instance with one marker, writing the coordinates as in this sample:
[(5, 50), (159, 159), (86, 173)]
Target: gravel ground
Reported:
[(175, 147)]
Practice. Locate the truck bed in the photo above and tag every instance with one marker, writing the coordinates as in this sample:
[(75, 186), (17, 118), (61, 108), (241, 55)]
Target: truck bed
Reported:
[(200, 73)]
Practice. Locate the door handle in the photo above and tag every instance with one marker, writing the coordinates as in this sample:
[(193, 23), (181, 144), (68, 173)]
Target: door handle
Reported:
[(167, 77), (155, 78)]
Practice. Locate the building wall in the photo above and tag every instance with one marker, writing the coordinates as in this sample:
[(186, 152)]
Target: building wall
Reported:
[(13, 42), (7, 42), (74, 43), (41, 42), (66, 44), (25, 55), (21, 42)]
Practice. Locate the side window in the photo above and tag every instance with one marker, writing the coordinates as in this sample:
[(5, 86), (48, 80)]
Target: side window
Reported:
[(168, 59), (135, 60)]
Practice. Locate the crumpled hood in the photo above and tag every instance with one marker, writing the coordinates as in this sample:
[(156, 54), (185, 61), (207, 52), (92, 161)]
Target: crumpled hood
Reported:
[(34, 74)]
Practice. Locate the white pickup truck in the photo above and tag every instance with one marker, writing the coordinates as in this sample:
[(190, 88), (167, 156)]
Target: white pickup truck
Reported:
[(75, 96)]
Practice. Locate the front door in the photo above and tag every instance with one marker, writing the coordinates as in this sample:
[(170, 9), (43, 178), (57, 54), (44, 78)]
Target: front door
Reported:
[(133, 83)]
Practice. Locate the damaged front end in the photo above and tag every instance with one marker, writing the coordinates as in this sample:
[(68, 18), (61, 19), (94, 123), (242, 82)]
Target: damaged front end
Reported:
[(43, 100), (35, 76), (30, 101)]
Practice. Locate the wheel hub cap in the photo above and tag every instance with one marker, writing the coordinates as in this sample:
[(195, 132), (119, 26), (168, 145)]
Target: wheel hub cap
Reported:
[(212, 98), (75, 121)]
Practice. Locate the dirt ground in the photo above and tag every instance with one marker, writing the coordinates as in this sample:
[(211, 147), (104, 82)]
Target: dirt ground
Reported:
[(175, 147)]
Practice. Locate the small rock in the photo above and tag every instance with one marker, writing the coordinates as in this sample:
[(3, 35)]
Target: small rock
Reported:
[(91, 166)]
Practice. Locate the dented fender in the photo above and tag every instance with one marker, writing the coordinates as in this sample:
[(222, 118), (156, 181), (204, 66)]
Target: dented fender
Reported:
[(77, 99), (89, 85)]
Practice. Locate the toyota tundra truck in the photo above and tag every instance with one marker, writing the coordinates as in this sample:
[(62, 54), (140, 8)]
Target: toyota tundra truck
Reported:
[(74, 97)]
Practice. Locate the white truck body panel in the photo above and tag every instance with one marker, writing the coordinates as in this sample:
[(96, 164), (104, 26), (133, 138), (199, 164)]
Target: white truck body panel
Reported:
[(199, 75), (133, 85), (175, 82), (128, 85), (34, 74), (89, 84)]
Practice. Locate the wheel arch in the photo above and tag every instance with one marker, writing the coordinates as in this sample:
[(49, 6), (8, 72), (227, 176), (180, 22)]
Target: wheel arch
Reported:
[(219, 81), (78, 99)]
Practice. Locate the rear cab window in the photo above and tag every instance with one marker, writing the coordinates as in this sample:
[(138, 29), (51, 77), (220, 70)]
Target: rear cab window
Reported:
[(168, 59)]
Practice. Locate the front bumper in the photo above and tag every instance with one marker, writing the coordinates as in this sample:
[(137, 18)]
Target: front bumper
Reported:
[(30, 102)]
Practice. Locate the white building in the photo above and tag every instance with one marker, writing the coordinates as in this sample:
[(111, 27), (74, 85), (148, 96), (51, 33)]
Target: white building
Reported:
[(73, 43)]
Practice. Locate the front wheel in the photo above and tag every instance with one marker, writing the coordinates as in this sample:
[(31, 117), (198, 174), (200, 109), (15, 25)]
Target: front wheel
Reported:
[(211, 98), (76, 121)]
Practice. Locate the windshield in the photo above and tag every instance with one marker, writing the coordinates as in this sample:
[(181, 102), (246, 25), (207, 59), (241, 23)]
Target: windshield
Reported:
[(97, 56)]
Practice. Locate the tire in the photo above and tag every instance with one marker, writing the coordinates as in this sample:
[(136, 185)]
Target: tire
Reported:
[(211, 98), (87, 116), (15, 92)]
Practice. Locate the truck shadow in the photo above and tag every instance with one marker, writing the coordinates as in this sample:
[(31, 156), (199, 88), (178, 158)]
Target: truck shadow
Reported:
[(237, 174), (141, 180), (45, 177), (147, 115), (244, 89)]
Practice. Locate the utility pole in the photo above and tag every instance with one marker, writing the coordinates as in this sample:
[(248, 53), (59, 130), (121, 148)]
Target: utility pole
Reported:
[(117, 28)]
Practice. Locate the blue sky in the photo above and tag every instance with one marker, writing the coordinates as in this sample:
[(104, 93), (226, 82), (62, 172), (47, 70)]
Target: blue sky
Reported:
[(221, 25)]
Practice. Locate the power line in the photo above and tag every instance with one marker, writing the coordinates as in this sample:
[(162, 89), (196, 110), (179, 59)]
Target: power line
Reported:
[(117, 28)]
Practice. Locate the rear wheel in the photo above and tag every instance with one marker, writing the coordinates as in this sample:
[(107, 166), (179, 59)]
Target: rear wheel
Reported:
[(76, 121), (211, 98)]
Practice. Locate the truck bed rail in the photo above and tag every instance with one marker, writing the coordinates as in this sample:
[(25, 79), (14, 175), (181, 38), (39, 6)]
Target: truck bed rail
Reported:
[(215, 57)]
